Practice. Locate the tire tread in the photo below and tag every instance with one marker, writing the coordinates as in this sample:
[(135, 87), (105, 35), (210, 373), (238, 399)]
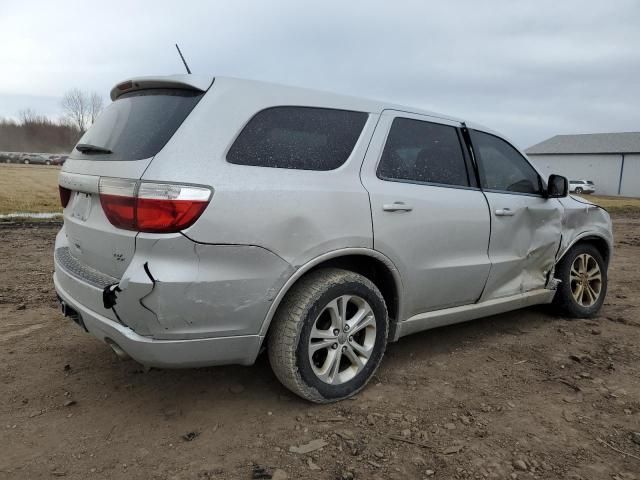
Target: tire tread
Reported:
[(287, 326)]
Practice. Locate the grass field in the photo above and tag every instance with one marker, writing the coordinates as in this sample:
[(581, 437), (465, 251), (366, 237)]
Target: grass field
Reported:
[(34, 189), (616, 204), (29, 188)]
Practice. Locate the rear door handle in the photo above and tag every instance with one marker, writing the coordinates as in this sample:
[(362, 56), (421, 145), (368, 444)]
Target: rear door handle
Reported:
[(504, 212), (397, 207)]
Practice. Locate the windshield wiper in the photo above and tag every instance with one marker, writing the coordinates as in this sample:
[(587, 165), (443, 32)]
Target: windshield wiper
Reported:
[(88, 148)]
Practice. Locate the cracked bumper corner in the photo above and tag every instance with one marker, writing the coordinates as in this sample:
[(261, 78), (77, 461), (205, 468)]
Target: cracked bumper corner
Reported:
[(241, 349)]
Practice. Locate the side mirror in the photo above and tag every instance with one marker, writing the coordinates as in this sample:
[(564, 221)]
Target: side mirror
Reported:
[(557, 186)]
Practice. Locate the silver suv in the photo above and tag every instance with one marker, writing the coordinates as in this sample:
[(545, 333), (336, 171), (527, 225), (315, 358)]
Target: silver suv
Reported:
[(206, 220)]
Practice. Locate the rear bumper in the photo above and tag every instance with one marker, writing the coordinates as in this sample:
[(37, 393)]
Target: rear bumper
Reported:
[(178, 304), (241, 350)]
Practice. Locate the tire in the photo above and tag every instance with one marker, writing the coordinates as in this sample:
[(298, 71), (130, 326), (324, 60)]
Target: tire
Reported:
[(47, 162), (565, 298), (26, 161), (579, 190), (305, 315)]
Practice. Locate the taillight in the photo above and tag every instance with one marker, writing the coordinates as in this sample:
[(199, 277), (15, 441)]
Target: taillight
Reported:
[(163, 207), (117, 196), (152, 207), (65, 195)]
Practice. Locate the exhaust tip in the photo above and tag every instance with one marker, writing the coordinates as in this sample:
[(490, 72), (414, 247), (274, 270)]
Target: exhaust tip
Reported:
[(122, 355)]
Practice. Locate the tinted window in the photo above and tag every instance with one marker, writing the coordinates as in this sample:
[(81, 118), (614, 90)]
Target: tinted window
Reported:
[(302, 138), (420, 151), (502, 167), (138, 124)]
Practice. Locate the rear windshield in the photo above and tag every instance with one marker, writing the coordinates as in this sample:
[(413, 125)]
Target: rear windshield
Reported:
[(138, 124)]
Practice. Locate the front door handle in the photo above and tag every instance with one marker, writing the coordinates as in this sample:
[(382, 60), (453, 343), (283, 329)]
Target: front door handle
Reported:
[(504, 212), (397, 207)]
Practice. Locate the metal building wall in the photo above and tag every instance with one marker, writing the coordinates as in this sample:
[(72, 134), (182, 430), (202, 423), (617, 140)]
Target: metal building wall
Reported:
[(604, 170), (630, 186)]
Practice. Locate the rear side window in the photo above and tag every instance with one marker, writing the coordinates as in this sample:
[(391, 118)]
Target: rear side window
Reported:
[(138, 124), (302, 138), (502, 168), (423, 152)]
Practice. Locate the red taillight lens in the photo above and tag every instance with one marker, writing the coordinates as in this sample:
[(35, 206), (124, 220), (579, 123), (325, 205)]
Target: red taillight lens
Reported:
[(168, 215), (117, 197), (65, 195), (152, 207), (119, 210)]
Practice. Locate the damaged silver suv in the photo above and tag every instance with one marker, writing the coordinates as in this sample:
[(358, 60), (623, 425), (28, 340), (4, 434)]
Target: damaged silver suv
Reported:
[(208, 219)]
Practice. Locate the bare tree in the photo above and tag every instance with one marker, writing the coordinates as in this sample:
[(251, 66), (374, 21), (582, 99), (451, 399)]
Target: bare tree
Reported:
[(81, 108), (95, 106), (28, 116)]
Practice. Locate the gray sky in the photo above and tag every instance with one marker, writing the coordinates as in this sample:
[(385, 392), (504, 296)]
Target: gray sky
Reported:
[(528, 69)]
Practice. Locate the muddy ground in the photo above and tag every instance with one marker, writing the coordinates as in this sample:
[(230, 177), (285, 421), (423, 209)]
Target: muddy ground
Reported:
[(520, 395)]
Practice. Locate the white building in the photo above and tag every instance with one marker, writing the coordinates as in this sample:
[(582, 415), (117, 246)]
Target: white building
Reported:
[(610, 160)]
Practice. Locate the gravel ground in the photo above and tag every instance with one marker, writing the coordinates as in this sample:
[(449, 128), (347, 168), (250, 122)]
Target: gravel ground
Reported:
[(521, 395)]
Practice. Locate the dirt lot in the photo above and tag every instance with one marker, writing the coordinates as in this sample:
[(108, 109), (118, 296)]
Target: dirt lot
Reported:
[(520, 395)]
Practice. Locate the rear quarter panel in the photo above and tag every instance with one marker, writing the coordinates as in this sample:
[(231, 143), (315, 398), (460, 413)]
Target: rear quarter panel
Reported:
[(297, 214)]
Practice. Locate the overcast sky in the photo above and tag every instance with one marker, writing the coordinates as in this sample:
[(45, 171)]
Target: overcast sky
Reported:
[(528, 69)]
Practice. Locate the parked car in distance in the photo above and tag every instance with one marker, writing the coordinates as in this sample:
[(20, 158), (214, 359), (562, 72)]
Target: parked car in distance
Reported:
[(34, 158), (56, 159), (10, 157), (319, 226), (581, 186)]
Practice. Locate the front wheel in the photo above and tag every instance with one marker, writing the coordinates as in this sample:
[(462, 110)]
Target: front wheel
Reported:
[(583, 286), (329, 335)]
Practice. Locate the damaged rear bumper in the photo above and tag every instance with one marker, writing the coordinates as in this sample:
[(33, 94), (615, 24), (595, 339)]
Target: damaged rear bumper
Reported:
[(164, 353), (179, 303)]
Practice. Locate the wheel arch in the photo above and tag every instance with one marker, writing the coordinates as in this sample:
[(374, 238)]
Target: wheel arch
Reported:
[(599, 242), (367, 262)]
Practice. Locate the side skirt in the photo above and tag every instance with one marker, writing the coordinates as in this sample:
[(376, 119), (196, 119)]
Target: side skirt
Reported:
[(449, 316)]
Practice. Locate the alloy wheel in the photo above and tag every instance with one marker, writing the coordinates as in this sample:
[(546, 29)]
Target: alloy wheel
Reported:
[(342, 339), (586, 280)]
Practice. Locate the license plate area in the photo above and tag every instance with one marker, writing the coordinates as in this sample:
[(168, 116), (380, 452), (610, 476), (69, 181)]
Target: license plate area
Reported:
[(81, 208)]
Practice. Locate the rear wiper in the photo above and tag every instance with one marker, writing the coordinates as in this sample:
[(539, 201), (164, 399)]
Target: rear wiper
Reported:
[(88, 148)]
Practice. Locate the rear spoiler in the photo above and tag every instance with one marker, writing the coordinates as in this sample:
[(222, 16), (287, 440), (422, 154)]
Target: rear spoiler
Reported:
[(199, 83)]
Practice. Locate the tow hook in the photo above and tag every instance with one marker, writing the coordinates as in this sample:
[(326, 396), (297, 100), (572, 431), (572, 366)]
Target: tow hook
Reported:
[(109, 295)]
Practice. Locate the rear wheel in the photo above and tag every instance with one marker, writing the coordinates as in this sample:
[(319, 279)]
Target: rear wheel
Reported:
[(26, 161), (583, 286), (579, 190), (329, 335)]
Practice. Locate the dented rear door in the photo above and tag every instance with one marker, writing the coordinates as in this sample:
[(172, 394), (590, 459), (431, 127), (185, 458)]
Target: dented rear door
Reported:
[(526, 226)]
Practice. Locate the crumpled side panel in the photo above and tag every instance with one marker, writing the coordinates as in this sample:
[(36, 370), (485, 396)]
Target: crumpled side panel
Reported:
[(583, 219), (523, 246), (209, 290)]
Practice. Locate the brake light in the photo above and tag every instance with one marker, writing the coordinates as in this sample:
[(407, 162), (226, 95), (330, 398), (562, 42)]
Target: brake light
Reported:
[(152, 207), (65, 195)]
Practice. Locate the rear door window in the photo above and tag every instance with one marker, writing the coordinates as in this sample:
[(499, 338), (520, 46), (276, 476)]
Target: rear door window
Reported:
[(423, 152), (138, 124), (303, 138)]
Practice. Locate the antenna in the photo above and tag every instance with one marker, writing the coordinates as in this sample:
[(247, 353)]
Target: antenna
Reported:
[(183, 60)]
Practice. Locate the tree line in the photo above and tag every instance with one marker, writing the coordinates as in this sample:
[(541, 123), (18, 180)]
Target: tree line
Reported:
[(32, 132)]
